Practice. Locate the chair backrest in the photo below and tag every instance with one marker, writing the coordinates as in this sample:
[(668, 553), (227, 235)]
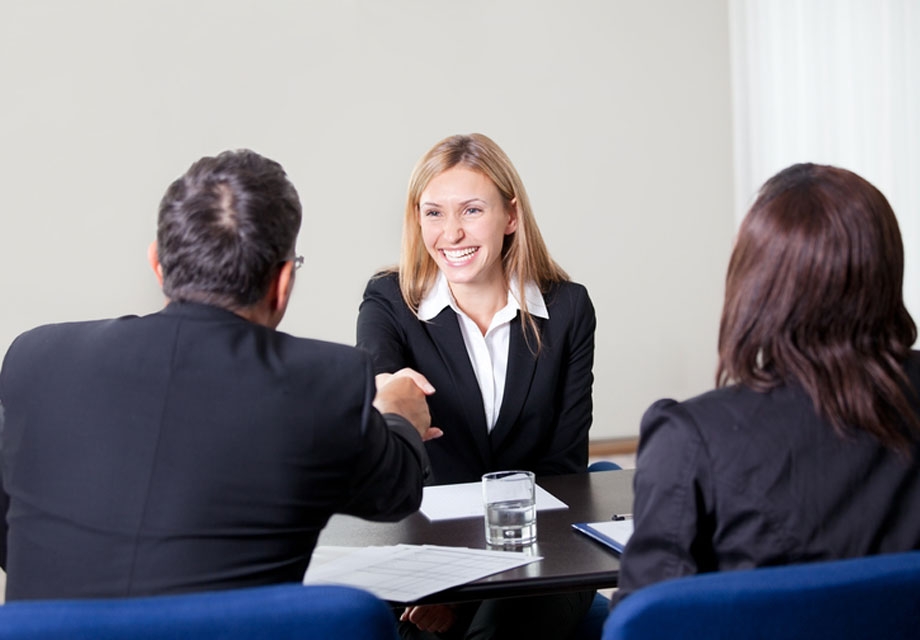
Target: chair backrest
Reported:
[(872, 597), (278, 612), (604, 465)]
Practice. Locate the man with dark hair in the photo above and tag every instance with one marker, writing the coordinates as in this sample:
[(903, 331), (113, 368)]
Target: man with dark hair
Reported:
[(198, 448)]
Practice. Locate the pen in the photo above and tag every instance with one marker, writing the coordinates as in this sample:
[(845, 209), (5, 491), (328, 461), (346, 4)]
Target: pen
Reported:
[(622, 516)]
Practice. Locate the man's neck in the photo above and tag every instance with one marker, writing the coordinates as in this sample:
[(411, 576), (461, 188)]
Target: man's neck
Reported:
[(260, 313)]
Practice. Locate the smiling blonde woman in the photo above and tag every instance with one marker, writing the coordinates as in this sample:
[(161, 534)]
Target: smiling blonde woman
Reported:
[(478, 306)]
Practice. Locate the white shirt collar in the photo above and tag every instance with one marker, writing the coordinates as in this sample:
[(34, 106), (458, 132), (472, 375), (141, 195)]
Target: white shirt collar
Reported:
[(439, 296)]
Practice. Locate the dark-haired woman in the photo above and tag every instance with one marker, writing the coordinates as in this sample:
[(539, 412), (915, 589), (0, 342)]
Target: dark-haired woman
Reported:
[(808, 450)]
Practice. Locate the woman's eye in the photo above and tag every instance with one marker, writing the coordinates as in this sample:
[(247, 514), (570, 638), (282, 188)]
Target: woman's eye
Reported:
[(473, 211), (432, 213)]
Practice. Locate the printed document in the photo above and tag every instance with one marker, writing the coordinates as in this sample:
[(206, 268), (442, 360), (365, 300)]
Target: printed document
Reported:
[(406, 573)]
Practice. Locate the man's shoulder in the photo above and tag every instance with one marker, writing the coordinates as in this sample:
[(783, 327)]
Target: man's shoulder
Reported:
[(62, 331), (49, 347), (322, 352), (318, 346)]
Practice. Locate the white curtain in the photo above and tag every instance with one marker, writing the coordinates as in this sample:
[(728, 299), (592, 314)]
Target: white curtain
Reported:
[(833, 82)]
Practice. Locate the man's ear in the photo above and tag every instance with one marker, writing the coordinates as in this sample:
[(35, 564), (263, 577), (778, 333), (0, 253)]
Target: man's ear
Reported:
[(279, 293), (154, 259)]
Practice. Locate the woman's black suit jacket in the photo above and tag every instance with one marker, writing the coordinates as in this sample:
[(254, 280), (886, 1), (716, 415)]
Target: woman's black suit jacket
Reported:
[(737, 479), (546, 409)]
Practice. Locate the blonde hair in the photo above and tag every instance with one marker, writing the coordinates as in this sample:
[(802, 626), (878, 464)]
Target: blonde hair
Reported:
[(524, 253)]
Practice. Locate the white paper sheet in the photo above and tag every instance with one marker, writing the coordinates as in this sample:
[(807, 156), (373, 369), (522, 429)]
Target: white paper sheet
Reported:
[(405, 573), (464, 500)]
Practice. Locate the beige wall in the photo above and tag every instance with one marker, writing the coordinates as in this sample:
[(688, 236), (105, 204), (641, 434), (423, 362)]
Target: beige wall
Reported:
[(616, 113)]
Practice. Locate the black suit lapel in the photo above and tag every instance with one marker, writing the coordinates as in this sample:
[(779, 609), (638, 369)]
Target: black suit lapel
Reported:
[(522, 364), (444, 331)]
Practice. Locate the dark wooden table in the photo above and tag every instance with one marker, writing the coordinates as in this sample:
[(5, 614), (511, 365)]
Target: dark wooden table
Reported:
[(571, 561)]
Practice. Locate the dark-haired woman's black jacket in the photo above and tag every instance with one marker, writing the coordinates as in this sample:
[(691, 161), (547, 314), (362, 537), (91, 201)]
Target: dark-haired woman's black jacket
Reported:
[(736, 479)]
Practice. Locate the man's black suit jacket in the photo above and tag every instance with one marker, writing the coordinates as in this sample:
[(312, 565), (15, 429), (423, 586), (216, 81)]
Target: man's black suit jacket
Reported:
[(187, 450), (546, 410)]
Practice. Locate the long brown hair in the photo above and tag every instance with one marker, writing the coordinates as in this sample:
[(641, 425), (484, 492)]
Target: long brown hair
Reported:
[(813, 296), (524, 253)]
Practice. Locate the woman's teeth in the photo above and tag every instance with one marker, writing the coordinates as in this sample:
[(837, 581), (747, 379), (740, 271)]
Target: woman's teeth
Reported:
[(458, 254)]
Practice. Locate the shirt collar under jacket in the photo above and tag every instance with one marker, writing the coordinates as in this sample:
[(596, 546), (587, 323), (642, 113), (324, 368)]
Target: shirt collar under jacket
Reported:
[(439, 296)]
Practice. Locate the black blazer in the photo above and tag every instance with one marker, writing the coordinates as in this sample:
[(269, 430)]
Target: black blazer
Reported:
[(736, 479), (187, 450), (546, 409)]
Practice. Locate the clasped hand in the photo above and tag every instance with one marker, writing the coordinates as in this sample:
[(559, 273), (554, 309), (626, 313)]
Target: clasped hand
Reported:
[(404, 393)]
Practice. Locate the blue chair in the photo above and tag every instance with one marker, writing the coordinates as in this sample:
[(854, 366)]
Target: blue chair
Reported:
[(277, 612), (604, 465), (872, 597)]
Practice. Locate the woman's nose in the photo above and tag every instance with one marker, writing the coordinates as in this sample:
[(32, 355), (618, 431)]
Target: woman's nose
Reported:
[(453, 230)]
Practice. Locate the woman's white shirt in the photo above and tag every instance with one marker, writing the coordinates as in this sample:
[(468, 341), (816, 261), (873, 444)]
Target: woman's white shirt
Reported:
[(488, 353)]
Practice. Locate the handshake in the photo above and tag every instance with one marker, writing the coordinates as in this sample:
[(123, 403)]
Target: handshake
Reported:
[(404, 393)]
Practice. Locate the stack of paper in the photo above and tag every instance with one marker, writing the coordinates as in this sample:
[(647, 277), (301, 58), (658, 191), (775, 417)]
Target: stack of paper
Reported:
[(406, 573)]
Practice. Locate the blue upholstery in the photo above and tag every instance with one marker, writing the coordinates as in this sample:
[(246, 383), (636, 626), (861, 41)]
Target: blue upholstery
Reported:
[(278, 612), (873, 597), (604, 465)]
